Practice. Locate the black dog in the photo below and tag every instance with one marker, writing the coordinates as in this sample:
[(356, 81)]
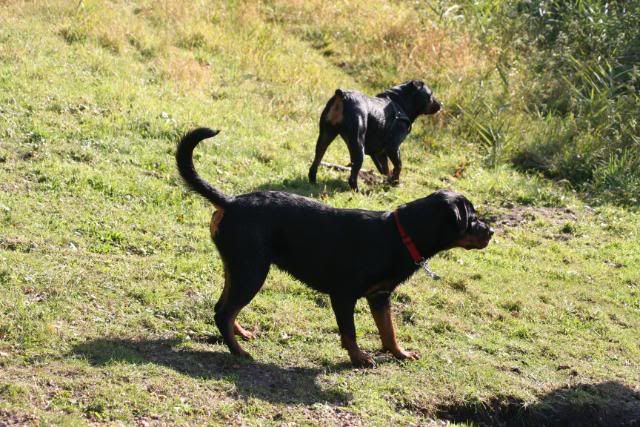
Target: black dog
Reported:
[(373, 125), (346, 253)]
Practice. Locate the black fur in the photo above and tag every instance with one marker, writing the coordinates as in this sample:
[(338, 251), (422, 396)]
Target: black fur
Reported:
[(373, 125), (346, 253), (184, 158)]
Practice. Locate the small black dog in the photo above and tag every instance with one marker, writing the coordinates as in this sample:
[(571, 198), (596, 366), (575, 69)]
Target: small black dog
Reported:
[(346, 253), (373, 125)]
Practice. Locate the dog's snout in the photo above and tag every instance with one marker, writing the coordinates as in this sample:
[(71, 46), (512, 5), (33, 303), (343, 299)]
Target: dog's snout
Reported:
[(434, 106), (490, 231)]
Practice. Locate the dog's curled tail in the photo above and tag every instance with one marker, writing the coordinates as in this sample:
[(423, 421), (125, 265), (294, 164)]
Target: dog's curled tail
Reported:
[(184, 158)]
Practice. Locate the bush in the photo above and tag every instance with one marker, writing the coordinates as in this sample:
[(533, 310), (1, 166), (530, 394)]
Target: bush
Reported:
[(581, 87)]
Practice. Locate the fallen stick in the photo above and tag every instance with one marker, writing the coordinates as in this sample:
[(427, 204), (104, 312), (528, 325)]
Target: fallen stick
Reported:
[(335, 166)]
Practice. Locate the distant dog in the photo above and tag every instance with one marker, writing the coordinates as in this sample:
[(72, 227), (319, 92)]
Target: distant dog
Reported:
[(373, 125), (346, 253)]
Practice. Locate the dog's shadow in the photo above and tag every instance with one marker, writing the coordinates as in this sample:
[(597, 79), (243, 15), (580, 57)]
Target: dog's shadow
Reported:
[(303, 187), (264, 381)]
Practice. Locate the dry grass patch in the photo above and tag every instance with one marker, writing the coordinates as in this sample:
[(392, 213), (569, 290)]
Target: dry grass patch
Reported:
[(381, 42)]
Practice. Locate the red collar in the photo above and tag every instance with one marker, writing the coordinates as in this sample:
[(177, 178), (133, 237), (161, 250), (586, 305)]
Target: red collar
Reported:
[(408, 242)]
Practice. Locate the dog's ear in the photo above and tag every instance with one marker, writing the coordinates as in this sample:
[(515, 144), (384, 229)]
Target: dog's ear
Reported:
[(418, 84), (461, 212)]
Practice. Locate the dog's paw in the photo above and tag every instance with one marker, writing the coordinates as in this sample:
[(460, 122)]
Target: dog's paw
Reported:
[(353, 183), (248, 336), (242, 332), (393, 181), (362, 360), (401, 354)]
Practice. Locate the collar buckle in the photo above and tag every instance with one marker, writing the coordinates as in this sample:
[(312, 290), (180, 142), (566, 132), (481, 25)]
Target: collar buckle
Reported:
[(424, 263)]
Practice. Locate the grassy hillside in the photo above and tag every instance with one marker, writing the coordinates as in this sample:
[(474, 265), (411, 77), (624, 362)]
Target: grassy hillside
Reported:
[(108, 277)]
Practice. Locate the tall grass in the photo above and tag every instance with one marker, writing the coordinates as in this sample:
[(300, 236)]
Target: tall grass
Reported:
[(581, 60), (550, 86)]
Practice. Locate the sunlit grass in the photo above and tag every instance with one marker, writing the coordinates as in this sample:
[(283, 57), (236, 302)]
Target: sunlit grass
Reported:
[(109, 278)]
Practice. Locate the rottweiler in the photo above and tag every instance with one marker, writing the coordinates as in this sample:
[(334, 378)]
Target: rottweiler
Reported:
[(346, 253), (375, 126)]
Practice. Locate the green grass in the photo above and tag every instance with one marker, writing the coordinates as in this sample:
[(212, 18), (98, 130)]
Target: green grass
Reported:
[(108, 276)]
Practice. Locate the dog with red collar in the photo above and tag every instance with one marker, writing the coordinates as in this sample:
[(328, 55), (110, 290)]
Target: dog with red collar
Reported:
[(345, 253)]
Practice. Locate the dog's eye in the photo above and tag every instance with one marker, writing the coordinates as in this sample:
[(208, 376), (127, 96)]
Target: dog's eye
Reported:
[(421, 95)]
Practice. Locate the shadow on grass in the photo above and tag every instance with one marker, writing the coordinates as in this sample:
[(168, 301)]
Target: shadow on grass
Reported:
[(261, 380), (606, 404), (303, 187)]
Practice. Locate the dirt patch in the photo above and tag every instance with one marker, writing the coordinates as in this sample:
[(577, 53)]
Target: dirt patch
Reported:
[(16, 244), (9, 418), (516, 216), (368, 176)]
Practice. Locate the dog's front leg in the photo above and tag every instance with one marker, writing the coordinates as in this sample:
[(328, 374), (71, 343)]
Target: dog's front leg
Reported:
[(381, 162), (381, 310), (394, 156), (398, 134), (343, 308)]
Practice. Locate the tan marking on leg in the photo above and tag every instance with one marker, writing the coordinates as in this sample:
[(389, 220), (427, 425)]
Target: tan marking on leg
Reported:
[(335, 113), (384, 323), (386, 167), (394, 177), (234, 347), (215, 221), (239, 330)]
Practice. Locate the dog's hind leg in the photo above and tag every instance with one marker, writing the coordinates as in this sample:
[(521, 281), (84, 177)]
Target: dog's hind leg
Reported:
[(237, 328), (356, 152), (327, 134), (242, 283), (353, 133), (330, 122)]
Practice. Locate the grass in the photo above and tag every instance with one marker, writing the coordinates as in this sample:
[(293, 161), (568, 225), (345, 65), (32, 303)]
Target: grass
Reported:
[(109, 278)]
